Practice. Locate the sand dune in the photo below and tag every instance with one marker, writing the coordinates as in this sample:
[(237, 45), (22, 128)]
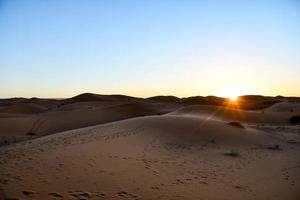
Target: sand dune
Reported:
[(87, 105), (47, 103), (22, 119), (247, 102), (25, 108), (292, 107), (169, 99), (227, 113), (97, 97), (21, 127), (11, 101), (174, 156)]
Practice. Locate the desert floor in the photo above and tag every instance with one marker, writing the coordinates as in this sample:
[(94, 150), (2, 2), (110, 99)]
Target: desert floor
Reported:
[(149, 150)]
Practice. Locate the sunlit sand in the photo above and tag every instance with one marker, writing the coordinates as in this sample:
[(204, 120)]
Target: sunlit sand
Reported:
[(117, 147)]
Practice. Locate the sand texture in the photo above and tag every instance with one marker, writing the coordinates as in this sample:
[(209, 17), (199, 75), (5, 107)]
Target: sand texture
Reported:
[(157, 148)]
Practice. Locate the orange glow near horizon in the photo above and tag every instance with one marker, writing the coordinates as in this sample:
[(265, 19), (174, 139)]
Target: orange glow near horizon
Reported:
[(233, 98), (231, 92), (232, 103)]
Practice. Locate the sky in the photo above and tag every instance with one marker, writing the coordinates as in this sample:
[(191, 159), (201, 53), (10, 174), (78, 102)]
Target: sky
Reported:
[(62, 48)]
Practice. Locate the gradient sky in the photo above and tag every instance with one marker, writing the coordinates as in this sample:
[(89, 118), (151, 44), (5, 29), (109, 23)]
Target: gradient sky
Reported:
[(61, 48)]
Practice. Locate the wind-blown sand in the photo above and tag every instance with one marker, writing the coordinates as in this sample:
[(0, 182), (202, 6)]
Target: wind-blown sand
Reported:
[(196, 152)]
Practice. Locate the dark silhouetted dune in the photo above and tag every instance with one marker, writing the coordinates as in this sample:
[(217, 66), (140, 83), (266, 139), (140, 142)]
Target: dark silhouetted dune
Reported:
[(227, 113), (197, 100), (24, 108), (11, 101), (256, 102), (96, 97), (169, 99)]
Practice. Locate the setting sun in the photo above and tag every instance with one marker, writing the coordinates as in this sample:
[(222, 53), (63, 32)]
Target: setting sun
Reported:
[(232, 92), (233, 98)]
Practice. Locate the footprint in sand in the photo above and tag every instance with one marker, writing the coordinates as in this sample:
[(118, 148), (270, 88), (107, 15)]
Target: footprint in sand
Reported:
[(127, 195), (28, 192), (56, 195), (80, 195), (178, 181), (239, 187), (99, 194)]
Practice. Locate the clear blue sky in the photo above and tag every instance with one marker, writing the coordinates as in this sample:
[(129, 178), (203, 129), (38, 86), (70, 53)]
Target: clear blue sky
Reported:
[(60, 48)]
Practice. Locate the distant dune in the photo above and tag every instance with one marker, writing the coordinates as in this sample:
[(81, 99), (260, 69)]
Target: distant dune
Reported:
[(227, 113), (24, 108), (22, 119), (97, 97), (168, 99)]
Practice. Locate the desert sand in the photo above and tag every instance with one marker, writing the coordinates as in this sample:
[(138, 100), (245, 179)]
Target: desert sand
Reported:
[(119, 147)]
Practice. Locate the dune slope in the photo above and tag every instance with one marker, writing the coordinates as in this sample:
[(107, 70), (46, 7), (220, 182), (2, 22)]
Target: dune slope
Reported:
[(174, 156), (23, 126), (228, 113)]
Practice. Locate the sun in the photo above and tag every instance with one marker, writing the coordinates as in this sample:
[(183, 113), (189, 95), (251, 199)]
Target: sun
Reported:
[(233, 97), (231, 92)]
